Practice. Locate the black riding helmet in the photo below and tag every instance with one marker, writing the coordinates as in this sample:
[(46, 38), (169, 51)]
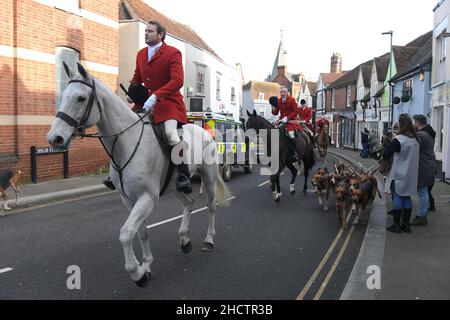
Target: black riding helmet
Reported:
[(273, 101)]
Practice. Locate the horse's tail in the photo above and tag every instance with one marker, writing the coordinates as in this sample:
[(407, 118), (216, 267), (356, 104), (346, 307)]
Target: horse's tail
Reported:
[(222, 192)]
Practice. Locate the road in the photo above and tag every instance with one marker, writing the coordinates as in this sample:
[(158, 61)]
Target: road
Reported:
[(264, 250)]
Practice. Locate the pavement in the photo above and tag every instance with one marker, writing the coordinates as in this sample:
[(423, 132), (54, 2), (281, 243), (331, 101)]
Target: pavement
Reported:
[(413, 266), (389, 266)]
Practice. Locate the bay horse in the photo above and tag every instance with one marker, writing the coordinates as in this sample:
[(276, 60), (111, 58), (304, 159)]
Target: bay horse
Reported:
[(138, 164), (304, 148), (323, 141)]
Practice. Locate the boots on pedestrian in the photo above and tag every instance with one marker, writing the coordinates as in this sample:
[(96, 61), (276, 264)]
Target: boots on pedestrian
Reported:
[(395, 228), (432, 207), (405, 227), (419, 221)]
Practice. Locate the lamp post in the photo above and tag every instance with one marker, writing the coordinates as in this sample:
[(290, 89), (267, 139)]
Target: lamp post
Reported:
[(391, 109)]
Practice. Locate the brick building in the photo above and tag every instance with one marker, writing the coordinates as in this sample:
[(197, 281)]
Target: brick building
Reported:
[(36, 37)]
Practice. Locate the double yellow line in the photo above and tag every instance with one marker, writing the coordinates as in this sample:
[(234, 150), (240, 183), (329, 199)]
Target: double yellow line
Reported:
[(319, 268)]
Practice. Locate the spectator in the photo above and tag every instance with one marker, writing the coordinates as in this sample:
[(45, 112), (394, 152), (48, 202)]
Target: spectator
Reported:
[(403, 176), (365, 141), (427, 169)]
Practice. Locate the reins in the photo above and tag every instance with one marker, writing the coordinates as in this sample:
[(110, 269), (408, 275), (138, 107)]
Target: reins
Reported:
[(80, 130)]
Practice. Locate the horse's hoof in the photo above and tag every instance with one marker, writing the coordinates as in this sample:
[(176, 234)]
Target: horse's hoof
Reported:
[(142, 283), (187, 248), (278, 200), (207, 247)]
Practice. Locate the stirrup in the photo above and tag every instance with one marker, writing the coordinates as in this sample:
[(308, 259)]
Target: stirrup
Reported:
[(183, 183)]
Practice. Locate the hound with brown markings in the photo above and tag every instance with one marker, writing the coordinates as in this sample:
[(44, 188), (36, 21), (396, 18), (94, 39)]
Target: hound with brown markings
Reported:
[(321, 181), (9, 178)]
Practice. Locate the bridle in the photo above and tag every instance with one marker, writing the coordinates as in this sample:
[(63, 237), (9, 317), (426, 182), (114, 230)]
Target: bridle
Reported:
[(79, 125), (80, 129)]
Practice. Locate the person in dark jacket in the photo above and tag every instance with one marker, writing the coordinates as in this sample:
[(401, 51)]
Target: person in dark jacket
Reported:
[(427, 169), (365, 141)]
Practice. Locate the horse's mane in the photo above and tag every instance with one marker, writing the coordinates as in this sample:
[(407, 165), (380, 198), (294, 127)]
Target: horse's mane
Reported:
[(267, 122)]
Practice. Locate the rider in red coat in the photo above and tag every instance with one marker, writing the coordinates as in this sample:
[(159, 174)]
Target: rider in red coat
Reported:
[(160, 68), (320, 123), (305, 114), (288, 110)]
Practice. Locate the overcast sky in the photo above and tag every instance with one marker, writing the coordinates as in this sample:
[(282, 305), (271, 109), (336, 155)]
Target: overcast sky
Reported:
[(248, 31)]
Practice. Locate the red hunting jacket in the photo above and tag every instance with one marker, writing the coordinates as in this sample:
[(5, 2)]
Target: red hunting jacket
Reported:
[(163, 75), (305, 114), (288, 109), (320, 123)]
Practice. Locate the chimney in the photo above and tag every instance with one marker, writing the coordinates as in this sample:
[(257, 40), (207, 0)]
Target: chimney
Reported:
[(336, 63)]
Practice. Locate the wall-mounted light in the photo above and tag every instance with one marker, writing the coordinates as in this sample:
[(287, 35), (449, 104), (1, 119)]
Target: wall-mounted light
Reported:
[(421, 76)]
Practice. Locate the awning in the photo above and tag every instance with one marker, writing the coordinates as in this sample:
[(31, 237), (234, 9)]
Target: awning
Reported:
[(347, 114)]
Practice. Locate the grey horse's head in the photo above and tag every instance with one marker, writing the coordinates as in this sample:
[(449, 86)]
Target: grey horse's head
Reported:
[(79, 108)]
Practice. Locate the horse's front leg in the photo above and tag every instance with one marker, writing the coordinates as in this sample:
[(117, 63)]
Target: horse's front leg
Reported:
[(306, 169), (146, 251), (140, 212), (294, 172), (276, 190), (183, 232)]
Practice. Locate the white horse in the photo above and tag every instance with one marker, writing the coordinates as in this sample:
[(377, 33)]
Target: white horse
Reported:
[(138, 164)]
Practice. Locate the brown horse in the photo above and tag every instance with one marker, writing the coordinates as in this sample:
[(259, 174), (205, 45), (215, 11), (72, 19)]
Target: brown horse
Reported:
[(323, 141), (303, 146)]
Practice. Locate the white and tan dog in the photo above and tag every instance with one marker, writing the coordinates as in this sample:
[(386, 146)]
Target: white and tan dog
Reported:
[(9, 178)]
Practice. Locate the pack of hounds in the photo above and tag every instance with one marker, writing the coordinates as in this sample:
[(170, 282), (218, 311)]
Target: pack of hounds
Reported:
[(8, 179), (353, 189)]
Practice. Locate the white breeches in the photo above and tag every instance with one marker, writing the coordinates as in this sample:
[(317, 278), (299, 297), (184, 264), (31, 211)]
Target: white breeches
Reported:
[(170, 127)]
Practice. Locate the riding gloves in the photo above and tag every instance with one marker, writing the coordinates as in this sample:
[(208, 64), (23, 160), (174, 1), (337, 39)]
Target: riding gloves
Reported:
[(150, 103)]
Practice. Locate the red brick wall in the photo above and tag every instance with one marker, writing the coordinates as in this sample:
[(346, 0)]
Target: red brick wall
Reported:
[(28, 87)]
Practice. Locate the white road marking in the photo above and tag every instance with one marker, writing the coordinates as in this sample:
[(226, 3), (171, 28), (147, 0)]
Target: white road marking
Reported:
[(181, 216), (6, 270), (268, 181), (335, 264)]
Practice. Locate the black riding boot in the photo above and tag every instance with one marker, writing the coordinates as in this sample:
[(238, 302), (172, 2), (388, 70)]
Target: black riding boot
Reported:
[(108, 183), (293, 149), (183, 182), (406, 217), (396, 226)]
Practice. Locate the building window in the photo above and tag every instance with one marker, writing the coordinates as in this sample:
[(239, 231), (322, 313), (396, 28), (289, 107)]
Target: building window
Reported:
[(233, 95), (349, 96), (319, 101), (218, 88), (407, 87), (261, 96), (200, 83), (70, 57), (439, 116), (442, 43), (333, 99), (72, 6), (373, 88), (360, 93)]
